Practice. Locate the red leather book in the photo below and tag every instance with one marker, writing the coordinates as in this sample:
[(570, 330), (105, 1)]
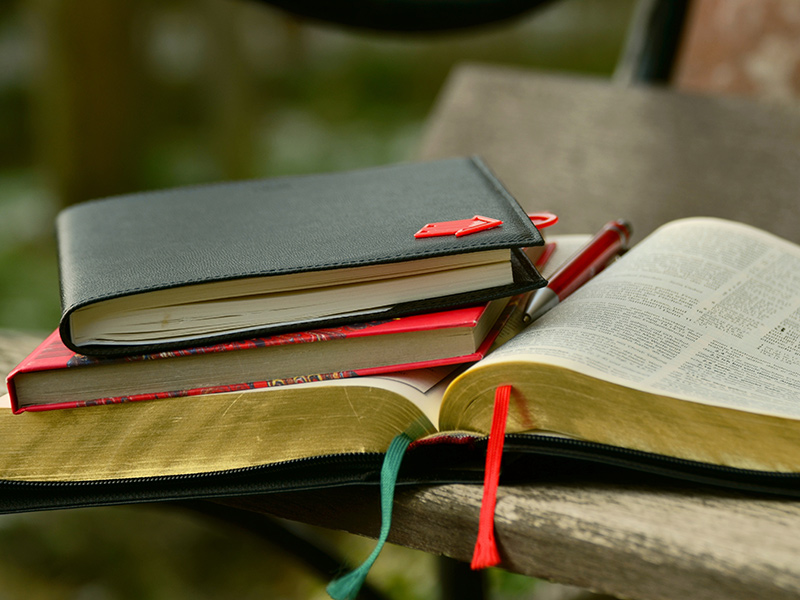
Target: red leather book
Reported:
[(53, 376)]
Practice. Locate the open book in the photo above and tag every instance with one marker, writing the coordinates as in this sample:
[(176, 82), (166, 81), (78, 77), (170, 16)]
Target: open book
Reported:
[(680, 358), (689, 347)]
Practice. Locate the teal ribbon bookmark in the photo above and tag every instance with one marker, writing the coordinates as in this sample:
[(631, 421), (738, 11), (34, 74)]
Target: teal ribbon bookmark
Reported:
[(348, 586)]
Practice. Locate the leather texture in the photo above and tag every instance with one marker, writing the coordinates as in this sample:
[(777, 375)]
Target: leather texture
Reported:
[(142, 242)]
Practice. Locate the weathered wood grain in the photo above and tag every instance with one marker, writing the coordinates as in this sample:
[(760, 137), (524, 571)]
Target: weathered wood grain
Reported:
[(633, 541), (591, 151)]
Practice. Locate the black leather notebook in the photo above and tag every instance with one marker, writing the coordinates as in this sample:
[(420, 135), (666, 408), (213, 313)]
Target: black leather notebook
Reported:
[(180, 267)]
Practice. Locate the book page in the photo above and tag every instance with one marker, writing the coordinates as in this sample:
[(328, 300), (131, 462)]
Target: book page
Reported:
[(424, 388), (703, 310), (428, 385)]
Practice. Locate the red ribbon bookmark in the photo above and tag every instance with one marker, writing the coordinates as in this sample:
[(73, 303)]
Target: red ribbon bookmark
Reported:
[(485, 553)]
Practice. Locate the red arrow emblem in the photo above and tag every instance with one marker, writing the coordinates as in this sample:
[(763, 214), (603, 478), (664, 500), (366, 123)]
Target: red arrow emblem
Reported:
[(458, 228)]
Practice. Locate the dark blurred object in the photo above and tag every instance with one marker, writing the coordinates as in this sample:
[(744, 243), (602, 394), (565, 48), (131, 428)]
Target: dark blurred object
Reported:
[(139, 96), (650, 52), (654, 37), (408, 15)]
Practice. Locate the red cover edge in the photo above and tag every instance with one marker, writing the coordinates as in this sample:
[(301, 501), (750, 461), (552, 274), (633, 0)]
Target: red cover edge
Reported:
[(53, 354), (41, 359)]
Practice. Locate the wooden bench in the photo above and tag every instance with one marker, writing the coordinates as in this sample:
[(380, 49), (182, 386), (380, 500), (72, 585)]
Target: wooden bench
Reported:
[(590, 152)]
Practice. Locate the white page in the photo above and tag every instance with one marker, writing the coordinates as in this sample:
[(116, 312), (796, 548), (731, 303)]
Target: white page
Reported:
[(704, 310)]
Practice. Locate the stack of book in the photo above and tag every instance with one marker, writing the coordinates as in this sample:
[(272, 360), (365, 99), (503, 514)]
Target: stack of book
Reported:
[(259, 284), (265, 311)]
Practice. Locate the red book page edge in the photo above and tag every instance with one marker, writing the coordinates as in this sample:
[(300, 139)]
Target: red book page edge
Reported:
[(52, 354)]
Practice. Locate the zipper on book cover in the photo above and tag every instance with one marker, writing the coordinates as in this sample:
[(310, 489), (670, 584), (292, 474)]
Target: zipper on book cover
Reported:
[(659, 464), (252, 479)]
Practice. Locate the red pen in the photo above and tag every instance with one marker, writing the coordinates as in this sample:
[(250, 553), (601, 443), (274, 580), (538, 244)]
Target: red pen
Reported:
[(611, 241)]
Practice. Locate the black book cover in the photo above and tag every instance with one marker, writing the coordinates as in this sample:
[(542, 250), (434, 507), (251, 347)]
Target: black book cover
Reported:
[(150, 241)]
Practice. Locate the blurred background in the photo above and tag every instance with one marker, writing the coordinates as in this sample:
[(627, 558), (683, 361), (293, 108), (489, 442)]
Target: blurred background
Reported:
[(101, 97)]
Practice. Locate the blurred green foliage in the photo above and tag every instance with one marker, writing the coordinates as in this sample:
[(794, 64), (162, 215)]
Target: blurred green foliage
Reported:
[(214, 89), (164, 553), (222, 90)]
